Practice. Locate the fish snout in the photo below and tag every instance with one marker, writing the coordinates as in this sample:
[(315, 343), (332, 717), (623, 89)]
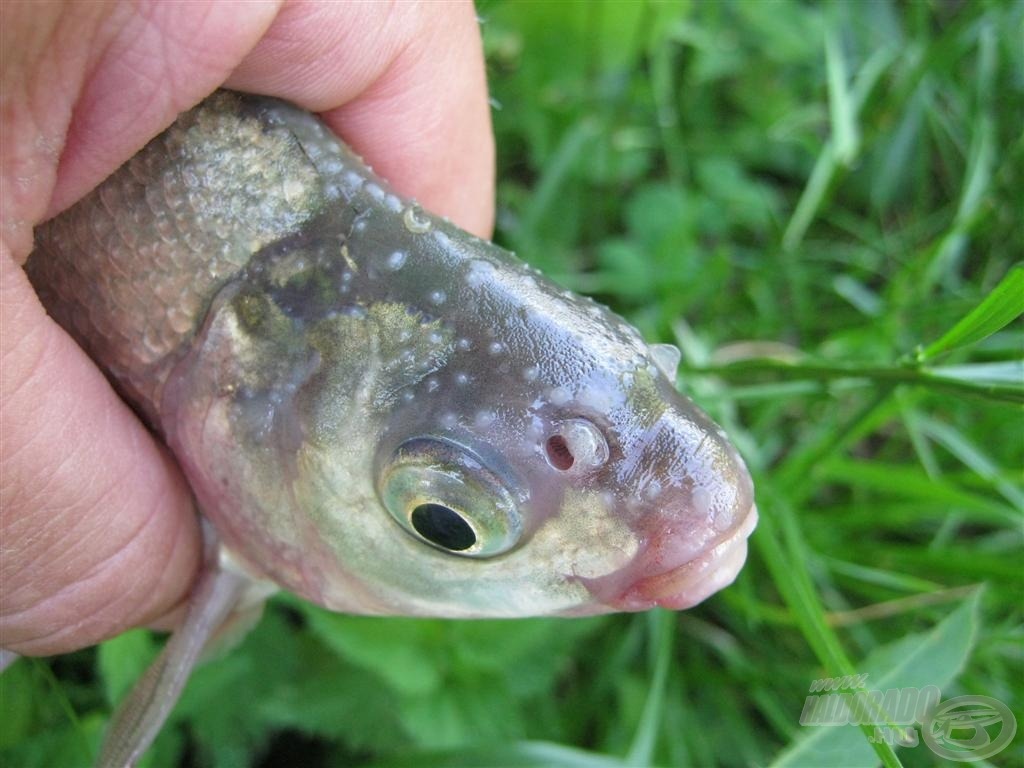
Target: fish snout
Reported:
[(692, 531), (687, 583)]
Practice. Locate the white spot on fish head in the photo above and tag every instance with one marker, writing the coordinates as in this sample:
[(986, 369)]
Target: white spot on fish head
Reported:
[(449, 420), (353, 181), (435, 337), (479, 272), (532, 316), (433, 384), (530, 373), (652, 490), (394, 203), (496, 348), (374, 191), (535, 431), (483, 419), (559, 395), (438, 297), (601, 399), (408, 395), (462, 378), (396, 261), (464, 344), (701, 500)]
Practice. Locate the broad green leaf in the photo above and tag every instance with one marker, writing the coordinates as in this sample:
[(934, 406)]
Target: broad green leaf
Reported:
[(929, 658), (122, 660), (1001, 307), (16, 698), (67, 745), (393, 649)]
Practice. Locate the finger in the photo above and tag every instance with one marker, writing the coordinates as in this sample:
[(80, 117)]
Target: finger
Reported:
[(98, 527), (402, 83), (96, 521), (154, 61)]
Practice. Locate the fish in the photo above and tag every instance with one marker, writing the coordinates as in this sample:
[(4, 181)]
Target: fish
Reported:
[(374, 409)]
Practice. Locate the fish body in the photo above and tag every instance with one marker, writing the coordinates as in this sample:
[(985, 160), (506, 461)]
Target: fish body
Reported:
[(376, 410), (325, 359)]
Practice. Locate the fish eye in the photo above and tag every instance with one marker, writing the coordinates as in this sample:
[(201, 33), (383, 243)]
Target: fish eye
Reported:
[(577, 447), (443, 526), (445, 496)]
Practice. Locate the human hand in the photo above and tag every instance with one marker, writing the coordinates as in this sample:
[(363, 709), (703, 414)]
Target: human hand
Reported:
[(97, 528)]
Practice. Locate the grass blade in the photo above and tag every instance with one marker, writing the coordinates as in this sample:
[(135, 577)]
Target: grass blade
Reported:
[(845, 134), (661, 626), (786, 555), (1003, 305)]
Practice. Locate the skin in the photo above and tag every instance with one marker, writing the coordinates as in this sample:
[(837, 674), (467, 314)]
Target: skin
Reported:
[(97, 526)]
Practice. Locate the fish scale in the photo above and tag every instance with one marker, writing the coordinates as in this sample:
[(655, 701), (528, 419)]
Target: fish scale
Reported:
[(131, 271)]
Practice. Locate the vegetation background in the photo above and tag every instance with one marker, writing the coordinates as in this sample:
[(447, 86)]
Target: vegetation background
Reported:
[(812, 201)]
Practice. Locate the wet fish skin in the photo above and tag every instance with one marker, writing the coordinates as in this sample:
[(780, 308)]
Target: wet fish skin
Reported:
[(312, 348)]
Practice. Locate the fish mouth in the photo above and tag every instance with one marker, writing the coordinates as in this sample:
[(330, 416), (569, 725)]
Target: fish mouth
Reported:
[(686, 585)]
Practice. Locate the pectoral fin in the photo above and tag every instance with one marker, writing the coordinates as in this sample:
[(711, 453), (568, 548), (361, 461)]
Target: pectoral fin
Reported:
[(140, 716)]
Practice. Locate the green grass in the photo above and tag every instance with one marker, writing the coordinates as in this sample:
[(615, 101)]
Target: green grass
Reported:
[(821, 204)]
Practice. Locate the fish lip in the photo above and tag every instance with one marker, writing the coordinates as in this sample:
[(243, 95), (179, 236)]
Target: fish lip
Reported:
[(687, 584)]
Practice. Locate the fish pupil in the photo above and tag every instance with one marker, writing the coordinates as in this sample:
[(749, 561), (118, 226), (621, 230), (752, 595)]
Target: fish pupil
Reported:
[(559, 454), (443, 526)]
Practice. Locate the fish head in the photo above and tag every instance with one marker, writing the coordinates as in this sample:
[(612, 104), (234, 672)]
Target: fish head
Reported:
[(519, 452), (594, 489)]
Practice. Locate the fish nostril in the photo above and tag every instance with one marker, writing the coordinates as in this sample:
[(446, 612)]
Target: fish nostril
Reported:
[(577, 448), (559, 455)]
